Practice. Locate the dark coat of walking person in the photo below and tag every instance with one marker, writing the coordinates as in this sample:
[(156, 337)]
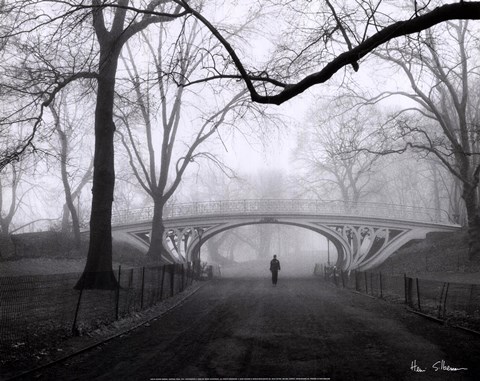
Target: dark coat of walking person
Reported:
[(274, 268)]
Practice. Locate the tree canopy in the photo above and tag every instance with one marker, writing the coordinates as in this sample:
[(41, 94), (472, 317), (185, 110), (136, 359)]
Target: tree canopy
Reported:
[(45, 46)]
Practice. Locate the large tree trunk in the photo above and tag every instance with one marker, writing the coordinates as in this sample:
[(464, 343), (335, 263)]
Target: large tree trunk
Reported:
[(469, 195), (7, 247), (231, 251), (98, 271), (436, 191), (70, 205), (157, 252), (66, 185), (213, 245), (65, 220)]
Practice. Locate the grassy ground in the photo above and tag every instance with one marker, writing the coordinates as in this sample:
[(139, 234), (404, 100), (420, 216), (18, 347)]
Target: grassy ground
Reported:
[(44, 347), (441, 256), (52, 253), (34, 266), (46, 266)]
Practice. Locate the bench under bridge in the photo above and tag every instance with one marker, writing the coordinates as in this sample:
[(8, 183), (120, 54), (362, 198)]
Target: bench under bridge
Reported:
[(364, 234)]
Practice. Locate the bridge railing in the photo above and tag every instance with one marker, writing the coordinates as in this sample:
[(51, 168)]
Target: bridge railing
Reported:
[(293, 207)]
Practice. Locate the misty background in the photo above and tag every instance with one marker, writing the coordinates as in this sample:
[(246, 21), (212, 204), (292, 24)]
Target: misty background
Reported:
[(363, 137)]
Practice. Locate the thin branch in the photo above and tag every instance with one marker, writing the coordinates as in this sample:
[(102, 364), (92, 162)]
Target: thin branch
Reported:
[(455, 11)]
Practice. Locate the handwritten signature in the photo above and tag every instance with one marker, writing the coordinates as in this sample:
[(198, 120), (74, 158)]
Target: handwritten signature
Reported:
[(439, 365)]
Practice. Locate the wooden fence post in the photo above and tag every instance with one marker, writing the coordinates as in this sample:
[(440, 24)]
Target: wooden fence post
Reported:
[(445, 300), (183, 277), (471, 299), (117, 301), (74, 325), (371, 283), (418, 295), (408, 290), (381, 286), (164, 269), (143, 288), (189, 274), (172, 279)]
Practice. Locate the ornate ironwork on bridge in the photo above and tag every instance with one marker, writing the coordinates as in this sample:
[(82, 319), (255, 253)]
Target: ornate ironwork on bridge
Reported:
[(364, 234), (262, 206)]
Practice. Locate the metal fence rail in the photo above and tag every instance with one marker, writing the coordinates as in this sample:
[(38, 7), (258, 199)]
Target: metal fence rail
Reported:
[(34, 306), (456, 303)]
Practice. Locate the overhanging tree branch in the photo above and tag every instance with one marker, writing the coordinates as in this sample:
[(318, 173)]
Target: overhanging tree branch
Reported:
[(15, 153), (455, 11)]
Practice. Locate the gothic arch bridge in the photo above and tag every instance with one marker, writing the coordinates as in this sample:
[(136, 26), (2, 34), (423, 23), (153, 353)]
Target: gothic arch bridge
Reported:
[(364, 234)]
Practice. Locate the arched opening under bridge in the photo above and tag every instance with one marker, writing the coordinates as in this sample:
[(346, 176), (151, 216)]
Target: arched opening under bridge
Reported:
[(245, 249)]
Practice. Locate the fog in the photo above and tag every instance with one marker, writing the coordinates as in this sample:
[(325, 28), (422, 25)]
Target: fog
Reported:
[(247, 251), (311, 147), (299, 266)]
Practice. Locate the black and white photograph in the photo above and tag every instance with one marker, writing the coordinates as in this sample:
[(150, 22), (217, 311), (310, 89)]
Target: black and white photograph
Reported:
[(239, 190)]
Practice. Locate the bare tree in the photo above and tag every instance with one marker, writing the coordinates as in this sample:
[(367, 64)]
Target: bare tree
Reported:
[(116, 23), (329, 149), (340, 38), (63, 48), (9, 205), (11, 200), (265, 184), (129, 194), (67, 122), (165, 125), (411, 179), (444, 120), (221, 247)]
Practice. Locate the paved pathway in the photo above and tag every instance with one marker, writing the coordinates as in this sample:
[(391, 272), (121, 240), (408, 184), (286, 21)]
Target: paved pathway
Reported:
[(303, 328)]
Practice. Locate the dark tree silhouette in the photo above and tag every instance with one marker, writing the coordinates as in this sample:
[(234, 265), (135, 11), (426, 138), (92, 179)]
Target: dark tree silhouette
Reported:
[(114, 24)]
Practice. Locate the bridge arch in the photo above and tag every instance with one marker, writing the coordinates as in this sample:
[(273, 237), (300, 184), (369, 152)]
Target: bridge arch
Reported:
[(340, 245), (365, 234)]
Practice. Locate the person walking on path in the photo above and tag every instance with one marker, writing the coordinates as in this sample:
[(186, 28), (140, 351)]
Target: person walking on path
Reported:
[(274, 268)]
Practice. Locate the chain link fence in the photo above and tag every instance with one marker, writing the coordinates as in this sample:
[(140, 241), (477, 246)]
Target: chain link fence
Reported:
[(32, 307), (454, 303)]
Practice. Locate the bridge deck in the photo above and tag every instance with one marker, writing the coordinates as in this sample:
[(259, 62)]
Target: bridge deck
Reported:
[(286, 207)]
